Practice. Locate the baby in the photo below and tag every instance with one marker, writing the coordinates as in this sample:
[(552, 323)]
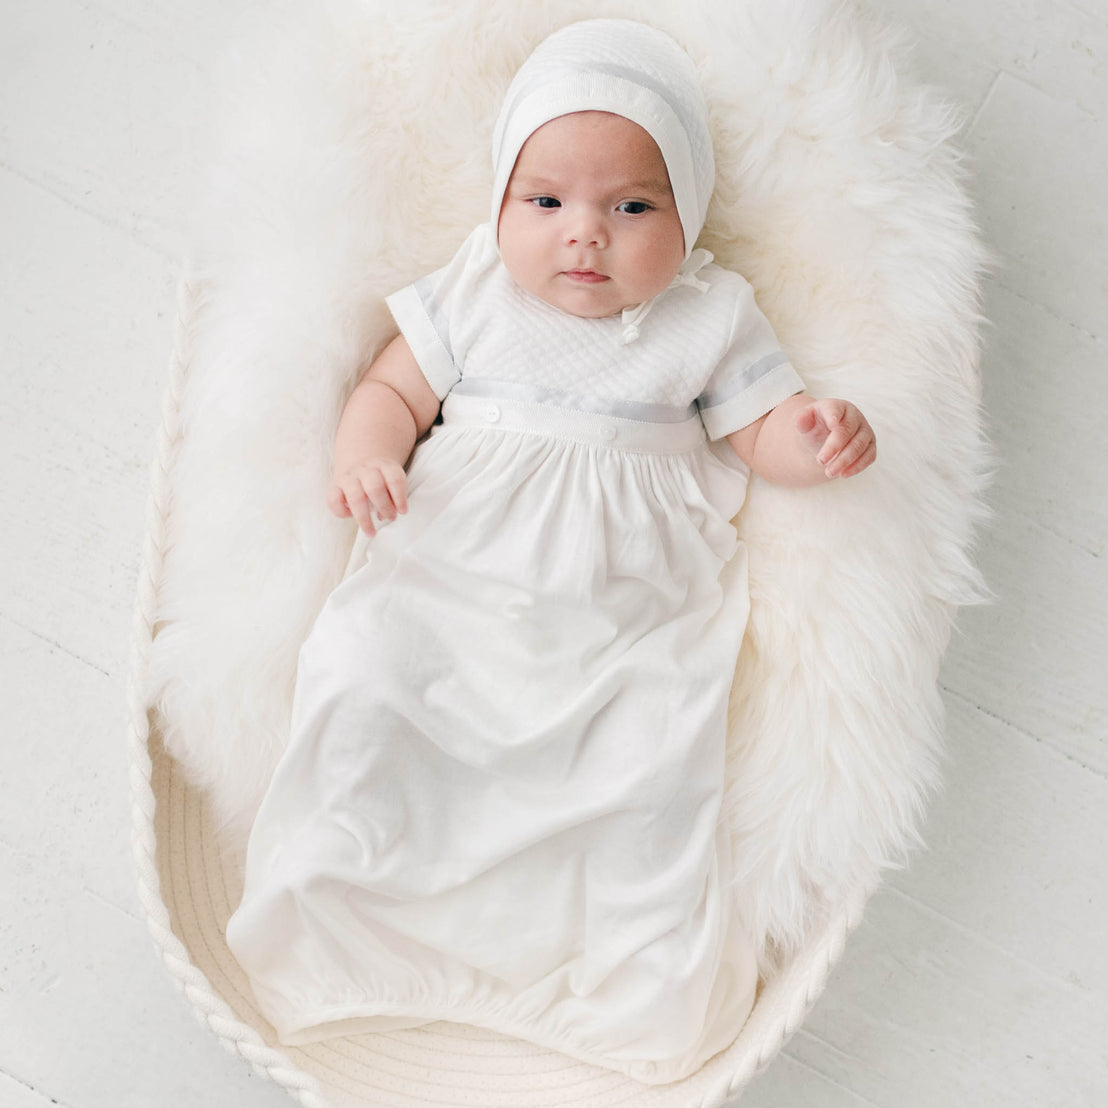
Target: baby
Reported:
[(589, 224), (501, 795)]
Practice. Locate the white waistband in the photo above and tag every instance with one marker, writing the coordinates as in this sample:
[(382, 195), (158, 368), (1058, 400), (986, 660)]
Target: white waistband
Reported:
[(617, 432)]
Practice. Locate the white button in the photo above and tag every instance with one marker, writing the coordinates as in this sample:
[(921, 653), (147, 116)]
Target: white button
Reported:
[(609, 431), (492, 413)]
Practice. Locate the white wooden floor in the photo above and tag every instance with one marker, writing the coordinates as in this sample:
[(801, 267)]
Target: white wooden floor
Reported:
[(980, 976)]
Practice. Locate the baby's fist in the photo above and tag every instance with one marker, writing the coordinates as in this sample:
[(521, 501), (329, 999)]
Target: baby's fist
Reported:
[(376, 485), (838, 435)]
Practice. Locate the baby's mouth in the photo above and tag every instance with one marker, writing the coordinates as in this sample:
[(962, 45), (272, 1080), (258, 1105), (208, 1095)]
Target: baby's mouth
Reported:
[(585, 276)]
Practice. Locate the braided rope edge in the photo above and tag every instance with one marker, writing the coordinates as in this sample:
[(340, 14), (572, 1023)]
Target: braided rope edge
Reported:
[(210, 1009), (777, 1034)]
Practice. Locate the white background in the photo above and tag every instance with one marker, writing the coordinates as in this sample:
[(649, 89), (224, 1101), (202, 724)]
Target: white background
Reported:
[(980, 975)]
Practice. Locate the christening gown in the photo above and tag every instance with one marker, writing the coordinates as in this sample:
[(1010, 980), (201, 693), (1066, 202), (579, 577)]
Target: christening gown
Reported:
[(500, 800)]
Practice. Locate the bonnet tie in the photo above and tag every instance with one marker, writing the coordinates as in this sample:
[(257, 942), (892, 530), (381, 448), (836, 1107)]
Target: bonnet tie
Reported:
[(686, 275)]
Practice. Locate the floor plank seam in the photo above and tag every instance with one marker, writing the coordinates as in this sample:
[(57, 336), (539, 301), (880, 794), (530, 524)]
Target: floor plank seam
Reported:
[(1046, 310), (981, 937), (792, 1056), (972, 124), (54, 644), (970, 702), (132, 233), (46, 1097)]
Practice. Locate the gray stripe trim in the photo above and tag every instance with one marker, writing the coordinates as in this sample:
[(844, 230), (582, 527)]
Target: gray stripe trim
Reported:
[(434, 313), (558, 74), (624, 409), (711, 397)]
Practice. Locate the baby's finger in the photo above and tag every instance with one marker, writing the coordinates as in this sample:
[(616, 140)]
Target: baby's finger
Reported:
[(377, 490), (838, 417), (359, 505), (849, 454), (834, 443), (396, 481), (864, 462), (807, 419), (811, 428), (336, 501)]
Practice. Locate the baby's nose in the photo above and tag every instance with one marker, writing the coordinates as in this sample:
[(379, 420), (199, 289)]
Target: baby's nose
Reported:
[(586, 228)]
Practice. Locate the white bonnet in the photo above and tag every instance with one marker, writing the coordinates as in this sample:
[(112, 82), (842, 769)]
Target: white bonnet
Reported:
[(629, 69)]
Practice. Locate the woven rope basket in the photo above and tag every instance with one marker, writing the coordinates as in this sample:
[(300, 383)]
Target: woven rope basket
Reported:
[(189, 889), (189, 885)]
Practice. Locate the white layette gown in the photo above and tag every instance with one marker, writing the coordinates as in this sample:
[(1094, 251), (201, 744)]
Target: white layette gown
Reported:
[(500, 800)]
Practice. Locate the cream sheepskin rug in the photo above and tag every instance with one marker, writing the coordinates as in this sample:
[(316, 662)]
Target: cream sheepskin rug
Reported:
[(355, 156)]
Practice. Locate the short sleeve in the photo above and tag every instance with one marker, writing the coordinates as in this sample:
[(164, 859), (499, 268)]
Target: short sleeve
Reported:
[(753, 375), (424, 310)]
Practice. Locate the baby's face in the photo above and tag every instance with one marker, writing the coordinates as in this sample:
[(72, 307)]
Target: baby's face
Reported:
[(589, 222)]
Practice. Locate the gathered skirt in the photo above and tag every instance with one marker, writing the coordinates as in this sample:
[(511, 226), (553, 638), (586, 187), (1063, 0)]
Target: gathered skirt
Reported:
[(500, 800)]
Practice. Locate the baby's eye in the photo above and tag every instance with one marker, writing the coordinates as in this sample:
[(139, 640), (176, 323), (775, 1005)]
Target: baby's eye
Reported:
[(546, 202), (633, 207)]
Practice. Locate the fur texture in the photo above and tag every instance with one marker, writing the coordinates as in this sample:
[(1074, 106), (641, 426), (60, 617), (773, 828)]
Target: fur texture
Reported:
[(355, 157)]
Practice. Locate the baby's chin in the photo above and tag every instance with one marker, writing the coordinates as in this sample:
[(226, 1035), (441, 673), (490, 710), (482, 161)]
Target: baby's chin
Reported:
[(585, 306), (583, 301)]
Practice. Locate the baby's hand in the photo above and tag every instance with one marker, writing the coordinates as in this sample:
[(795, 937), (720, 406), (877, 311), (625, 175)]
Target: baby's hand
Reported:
[(374, 485), (838, 435)]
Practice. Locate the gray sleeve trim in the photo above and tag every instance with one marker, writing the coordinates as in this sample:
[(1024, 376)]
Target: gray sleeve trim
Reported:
[(742, 407), (711, 398), (424, 326)]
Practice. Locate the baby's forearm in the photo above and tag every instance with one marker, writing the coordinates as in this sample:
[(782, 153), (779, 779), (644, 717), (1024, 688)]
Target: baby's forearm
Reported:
[(377, 423), (774, 450), (804, 441), (390, 408)]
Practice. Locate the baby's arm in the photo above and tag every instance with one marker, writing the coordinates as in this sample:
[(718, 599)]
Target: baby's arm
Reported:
[(391, 407), (804, 441)]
